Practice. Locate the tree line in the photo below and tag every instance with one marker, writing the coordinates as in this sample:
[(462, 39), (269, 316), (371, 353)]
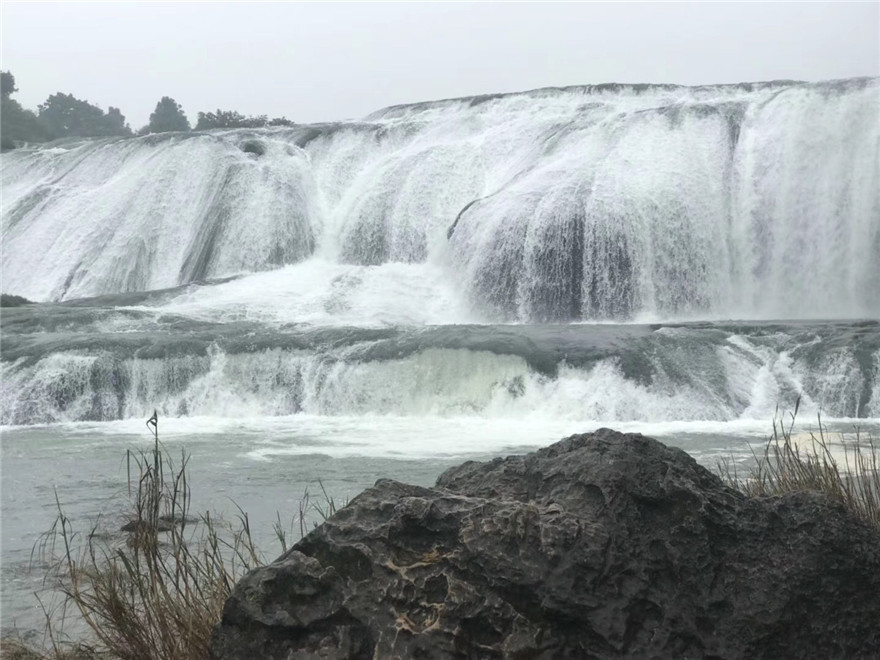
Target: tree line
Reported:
[(64, 115)]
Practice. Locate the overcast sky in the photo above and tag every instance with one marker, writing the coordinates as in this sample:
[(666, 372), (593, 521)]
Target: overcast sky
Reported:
[(323, 61)]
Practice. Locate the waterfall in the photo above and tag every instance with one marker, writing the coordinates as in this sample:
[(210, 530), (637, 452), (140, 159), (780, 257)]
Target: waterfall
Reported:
[(573, 253), (602, 202)]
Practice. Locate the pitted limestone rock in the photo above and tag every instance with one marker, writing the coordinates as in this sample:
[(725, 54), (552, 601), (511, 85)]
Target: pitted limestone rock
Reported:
[(600, 546)]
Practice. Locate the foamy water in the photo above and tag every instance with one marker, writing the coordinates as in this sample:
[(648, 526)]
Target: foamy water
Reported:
[(438, 282)]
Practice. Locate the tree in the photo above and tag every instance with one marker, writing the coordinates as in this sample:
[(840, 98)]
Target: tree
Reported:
[(61, 115), (64, 115), (16, 123), (115, 121), (168, 116), (233, 119), (220, 119), (19, 125), (7, 84), (280, 121)]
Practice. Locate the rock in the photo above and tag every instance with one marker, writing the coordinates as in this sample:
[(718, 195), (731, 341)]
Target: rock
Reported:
[(600, 546), (164, 523), (254, 147), (144, 527)]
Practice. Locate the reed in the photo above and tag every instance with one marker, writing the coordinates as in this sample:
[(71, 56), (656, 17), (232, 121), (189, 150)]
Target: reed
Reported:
[(159, 594), (787, 465)]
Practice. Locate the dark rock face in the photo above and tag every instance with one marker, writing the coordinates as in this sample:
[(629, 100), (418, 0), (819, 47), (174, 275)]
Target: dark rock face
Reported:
[(599, 546)]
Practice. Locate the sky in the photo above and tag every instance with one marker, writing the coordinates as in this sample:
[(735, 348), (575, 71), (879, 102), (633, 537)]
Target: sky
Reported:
[(327, 61)]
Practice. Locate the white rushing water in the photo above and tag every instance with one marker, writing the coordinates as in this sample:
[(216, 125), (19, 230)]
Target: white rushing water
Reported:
[(440, 281), (671, 376), (587, 205), (756, 201)]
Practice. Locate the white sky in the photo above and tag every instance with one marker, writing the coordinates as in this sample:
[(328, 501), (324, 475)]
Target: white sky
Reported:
[(325, 61)]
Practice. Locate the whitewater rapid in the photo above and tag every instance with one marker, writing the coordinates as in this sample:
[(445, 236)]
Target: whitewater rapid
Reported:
[(95, 363), (570, 254)]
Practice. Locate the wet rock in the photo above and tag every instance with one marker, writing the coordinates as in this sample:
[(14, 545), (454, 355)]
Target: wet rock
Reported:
[(164, 523), (600, 546), (254, 147), (144, 527)]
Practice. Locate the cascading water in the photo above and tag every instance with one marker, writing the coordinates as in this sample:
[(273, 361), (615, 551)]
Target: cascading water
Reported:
[(604, 203), (585, 203), (454, 279), (133, 215)]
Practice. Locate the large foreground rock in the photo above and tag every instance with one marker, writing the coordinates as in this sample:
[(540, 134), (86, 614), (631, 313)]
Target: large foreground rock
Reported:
[(599, 546)]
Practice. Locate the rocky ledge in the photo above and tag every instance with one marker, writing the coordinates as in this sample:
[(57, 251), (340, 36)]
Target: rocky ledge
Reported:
[(602, 545)]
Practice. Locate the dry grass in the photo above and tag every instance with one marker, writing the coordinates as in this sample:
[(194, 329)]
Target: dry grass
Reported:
[(159, 594), (13, 648), (788, 465)]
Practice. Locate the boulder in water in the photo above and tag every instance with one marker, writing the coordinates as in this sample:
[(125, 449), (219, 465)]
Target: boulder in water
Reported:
[(254, 147), (602, 545)]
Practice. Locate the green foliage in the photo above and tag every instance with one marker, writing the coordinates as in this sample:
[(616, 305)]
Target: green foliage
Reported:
[(19, 125), (61, 115), (280, 121), (8, 300), (7, 84), (220, 119), (233, 119), (64, 115), (115, 122), (16, 123), (168, 116)]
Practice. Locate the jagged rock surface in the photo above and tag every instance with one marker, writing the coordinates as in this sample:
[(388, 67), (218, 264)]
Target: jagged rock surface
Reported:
[(600, 546)]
